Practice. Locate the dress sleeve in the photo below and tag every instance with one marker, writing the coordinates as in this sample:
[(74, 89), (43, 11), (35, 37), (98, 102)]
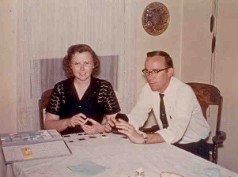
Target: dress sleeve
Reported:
[(56, 99), (108, 97)]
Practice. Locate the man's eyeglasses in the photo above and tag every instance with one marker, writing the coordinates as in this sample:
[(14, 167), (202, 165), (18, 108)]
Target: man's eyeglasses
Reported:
[(153, 72)]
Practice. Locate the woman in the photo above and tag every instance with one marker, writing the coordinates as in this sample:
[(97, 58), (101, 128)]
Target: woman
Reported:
[(80, 102)]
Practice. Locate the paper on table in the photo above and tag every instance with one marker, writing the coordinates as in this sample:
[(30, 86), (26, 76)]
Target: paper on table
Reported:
[(30, 137), (87, 168), (35, 151)]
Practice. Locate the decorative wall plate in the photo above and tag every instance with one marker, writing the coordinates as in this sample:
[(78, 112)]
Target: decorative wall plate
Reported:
[(155, 18)]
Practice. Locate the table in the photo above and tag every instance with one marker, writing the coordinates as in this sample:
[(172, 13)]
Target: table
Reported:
[(112, 155)]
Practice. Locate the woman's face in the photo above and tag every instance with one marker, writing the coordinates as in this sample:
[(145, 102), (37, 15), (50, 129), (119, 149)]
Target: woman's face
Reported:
[(82, 65)]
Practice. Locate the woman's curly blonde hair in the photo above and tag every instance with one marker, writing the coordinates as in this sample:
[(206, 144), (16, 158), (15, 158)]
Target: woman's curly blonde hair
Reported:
[(80, 48)]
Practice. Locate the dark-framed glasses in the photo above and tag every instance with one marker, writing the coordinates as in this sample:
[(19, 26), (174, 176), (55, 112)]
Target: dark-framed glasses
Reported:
[(153, 72)]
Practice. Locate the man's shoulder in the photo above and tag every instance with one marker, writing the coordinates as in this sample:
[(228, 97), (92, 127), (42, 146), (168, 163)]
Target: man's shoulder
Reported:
[(177, 84), (146, 90)]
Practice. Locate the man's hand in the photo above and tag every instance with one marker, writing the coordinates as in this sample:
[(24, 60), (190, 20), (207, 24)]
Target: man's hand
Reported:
[(111, 122), (129, 130)]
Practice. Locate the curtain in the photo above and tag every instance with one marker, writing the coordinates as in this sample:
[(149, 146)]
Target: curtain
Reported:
[(45, 31)]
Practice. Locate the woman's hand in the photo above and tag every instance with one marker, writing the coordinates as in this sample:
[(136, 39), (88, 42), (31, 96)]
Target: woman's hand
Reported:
[(94, 128), (78, 119), (111, 122)]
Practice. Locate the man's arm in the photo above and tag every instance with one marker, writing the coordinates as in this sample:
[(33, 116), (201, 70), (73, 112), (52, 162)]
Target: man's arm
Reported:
[(154, 138), (136, 136), (142, 108)]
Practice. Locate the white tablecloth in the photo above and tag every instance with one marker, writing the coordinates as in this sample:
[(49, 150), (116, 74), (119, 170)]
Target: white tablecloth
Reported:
[(114, 156)]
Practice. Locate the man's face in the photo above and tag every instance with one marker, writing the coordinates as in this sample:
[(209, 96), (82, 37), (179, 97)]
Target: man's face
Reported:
[(158, 80)]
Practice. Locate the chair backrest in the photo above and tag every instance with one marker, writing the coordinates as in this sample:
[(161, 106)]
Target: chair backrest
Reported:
[(208, 95), (43, 101)]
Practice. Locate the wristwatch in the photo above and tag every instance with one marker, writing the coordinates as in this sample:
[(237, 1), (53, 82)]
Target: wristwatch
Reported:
[(145, 137)]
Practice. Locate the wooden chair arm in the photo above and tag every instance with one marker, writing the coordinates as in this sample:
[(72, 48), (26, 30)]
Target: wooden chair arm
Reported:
[(219, 138), (150, 129)]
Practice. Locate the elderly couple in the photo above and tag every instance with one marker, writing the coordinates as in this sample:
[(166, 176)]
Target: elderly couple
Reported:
[(81, 102)]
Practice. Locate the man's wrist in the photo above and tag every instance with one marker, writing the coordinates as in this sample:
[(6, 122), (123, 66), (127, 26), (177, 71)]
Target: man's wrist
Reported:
[(145, 137)]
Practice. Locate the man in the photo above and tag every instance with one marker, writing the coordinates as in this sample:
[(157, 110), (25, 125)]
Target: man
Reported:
[(184, 124)]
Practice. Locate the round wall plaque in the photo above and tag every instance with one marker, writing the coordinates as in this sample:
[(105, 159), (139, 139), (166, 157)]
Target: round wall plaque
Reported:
[(155, 18)]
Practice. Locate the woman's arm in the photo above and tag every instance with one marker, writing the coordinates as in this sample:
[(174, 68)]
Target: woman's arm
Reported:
[(52, 121)]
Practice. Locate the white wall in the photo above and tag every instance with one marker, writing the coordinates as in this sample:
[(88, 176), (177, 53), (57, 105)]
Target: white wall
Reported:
[(196, 63), (227, 77)]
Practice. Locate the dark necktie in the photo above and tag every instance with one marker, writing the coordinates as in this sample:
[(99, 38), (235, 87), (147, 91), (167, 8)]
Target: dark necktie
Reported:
[(162, 112)]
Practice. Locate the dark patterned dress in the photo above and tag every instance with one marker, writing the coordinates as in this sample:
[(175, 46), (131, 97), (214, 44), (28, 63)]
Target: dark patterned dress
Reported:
[(98, 100)]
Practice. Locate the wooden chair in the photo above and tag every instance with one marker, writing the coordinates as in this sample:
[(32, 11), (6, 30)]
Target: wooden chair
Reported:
[(43, 101), (208, 95), (152, 129)]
